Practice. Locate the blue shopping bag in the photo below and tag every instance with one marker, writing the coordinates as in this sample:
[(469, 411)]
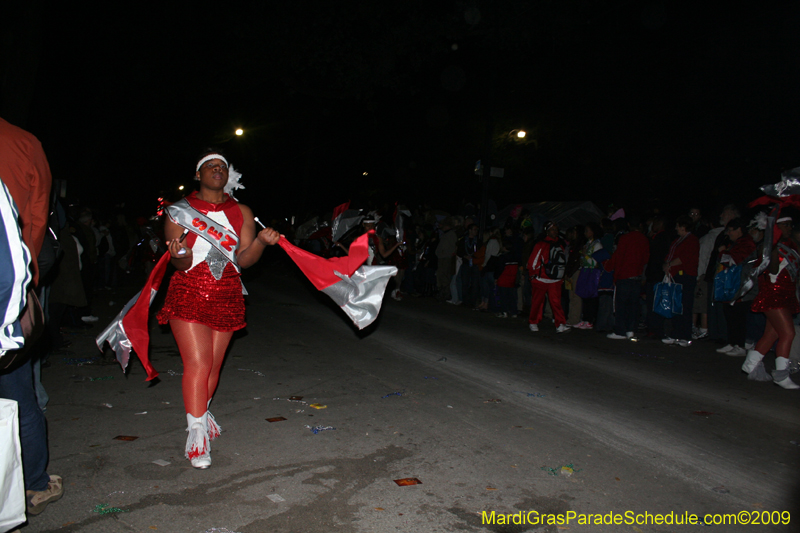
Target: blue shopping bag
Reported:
[(668, 300), (727, 283)]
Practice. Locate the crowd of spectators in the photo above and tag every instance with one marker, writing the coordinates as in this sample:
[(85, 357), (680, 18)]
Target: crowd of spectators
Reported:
[(598, 276)]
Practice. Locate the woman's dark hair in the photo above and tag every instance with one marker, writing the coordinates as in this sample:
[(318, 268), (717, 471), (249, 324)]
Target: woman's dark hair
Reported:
[(737, 223), (597, 231), (211, 150), (684, 221)]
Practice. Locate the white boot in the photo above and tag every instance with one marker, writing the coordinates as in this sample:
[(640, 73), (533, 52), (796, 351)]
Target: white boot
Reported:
[(781, 374), (753, 358), (198, 445), (214, 429)]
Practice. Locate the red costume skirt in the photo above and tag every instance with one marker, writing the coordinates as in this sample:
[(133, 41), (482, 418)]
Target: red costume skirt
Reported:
[(195, 296), (779, 295)]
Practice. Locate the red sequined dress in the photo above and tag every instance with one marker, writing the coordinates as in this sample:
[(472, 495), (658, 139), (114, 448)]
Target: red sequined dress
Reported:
[(782, 292), (210, 291)]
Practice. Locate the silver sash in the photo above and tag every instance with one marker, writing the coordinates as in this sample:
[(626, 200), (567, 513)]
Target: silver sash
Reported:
[(222, 239)]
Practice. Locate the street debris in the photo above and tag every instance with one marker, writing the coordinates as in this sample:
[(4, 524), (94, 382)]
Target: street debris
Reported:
[(107, 405), (490, 488), (318, 406), (127, 438), (80, 361), (103, 508), (566, 470), (142, 413), (530, 394), (276, 498), (442, 359), (295, 398), (721, 489), (161, 462), (406, 481), (662, 358), (173, 373), (290, 399), (493, 400), (275, 419), (317, 429), (256, 372), (398, 393)]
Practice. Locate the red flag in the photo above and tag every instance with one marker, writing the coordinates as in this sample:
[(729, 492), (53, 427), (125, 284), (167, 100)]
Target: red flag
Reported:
[(135, 320), (320, 270), (339, 209)]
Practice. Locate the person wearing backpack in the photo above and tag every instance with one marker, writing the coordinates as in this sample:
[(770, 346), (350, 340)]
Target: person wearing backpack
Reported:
[(628, 263), (546, 267)]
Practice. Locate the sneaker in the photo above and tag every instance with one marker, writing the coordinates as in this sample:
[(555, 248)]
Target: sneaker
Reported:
[(668, 340), (454, 302), (725, 349), (700, 334), (37, 500), (502, 315), (736, 352), (533, 327), (682, 343), (584, 325), (629, 334), (562, 328), (90, 319), (617, 337), (749, 346)]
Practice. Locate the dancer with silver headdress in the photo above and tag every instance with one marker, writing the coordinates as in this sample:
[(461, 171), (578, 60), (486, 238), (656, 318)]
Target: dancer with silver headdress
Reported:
[(777, 283), (205, 303)]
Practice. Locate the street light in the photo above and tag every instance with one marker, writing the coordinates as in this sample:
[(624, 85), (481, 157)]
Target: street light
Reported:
[(239, 132), (519, 134)]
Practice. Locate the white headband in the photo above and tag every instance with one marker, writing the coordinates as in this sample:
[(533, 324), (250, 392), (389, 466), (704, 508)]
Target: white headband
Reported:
[(783, 219), (233, 176), (209, 158)]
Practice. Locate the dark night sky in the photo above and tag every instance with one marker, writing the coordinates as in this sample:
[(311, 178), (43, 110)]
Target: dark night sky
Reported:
[(634, 102)]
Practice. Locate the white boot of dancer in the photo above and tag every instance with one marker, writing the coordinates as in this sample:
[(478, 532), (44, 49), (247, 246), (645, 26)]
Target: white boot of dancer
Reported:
[(198, 445), (214, 429), (782, 363), (753, 358)]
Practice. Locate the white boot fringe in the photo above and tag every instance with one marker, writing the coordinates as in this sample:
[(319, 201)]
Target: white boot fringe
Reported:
[(781, 374), (198, 445), (214, 429)]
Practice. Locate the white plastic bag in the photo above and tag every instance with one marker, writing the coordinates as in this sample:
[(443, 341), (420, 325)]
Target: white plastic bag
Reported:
[(12, 483)]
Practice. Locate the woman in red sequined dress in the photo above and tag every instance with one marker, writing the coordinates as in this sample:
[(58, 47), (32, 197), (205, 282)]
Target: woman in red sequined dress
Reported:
[(777, 299), (204, 303)]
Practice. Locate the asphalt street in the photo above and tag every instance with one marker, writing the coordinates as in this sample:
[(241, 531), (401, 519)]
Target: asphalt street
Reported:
[(487, 416)]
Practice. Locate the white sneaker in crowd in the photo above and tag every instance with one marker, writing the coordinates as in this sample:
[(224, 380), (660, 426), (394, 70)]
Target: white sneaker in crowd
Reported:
[(617, 337), (533, 327), (736, 351), (725, 349), (562, 328), (668, 340)]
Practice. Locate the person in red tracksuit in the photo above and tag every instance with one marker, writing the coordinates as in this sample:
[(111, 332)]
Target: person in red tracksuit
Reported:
[(543, 285), (628, 263)]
